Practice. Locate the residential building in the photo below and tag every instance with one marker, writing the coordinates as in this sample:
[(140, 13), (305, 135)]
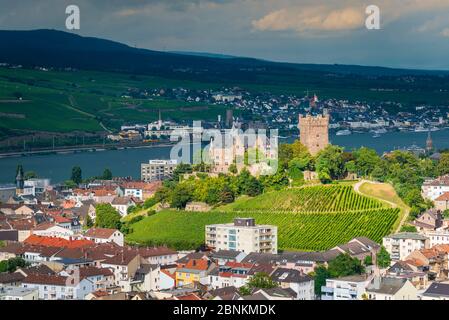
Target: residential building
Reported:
[(157, 170), (400, 245), (138, 189), (389, 288), (436, 291), (345, 288), (55, 287), (233, 274), (438, 238), (194, 271), (221, 257), (242, 235), (434, 188), (18, 293), (49, 229), (431, 219), (124, 266), (103, 235), (122, 204), (302, 284), (442, 202), (7, 191)]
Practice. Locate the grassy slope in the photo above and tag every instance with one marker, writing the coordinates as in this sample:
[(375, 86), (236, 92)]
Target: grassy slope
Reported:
[(386, 192), (306, 230)]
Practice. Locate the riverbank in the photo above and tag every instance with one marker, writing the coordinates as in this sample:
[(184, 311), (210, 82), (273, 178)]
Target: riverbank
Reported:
[(89, 148)]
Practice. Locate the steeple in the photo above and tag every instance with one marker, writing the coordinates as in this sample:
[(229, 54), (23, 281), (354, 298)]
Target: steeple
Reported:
[(19, 178), (429, 142)]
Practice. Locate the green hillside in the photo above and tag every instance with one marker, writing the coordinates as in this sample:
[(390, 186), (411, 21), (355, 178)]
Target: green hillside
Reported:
[(312, 218), (57, 101)]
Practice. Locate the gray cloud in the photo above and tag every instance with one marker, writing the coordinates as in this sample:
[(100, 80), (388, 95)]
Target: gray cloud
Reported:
[(414, 33)]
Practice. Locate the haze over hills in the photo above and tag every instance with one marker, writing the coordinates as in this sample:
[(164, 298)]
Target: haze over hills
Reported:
[(62, 49)]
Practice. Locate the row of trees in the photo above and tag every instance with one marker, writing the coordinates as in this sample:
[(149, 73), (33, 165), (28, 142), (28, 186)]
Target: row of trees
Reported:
[(76, 177), (213, 190)]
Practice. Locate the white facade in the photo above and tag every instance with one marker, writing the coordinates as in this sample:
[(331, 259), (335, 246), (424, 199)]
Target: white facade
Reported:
[(437, 237), (61, 292), (346, 288), (432, 189), (117, 237), (18, 293), (242, 235), (400, 245), (157, 170), (55, 231)]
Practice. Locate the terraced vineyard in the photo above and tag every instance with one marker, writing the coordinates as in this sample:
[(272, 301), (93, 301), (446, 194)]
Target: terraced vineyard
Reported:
[(310, 199), (310, 218), (300, 231)]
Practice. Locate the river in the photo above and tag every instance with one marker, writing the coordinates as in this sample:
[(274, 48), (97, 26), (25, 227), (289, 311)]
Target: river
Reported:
[(126, 162)]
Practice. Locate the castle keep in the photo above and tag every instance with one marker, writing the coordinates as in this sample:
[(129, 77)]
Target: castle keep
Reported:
[(314, 132)]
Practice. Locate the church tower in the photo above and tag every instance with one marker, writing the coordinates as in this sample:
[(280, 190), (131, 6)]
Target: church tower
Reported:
[(19, 180), (314, 132), (429, 143)]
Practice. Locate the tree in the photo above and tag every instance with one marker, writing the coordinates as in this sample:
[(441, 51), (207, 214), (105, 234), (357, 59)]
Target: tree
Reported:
[(30, 175), (107, 217), (383, 258), (180, 170), (180, 196), (345, 265), (12, 264), (408, 228), (320, 275), (330, 163), (226, 194), (76, 175), (89, 222), (368, 261), (365, 161), (107, 174), (443, 164), (70, 184), (260, 280), (233, 168)]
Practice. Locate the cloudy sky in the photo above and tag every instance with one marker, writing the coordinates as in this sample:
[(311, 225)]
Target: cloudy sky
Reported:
[(414, 33)]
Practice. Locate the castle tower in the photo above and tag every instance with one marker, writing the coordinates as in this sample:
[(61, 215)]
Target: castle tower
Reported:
[(429, 142), (314, 132)]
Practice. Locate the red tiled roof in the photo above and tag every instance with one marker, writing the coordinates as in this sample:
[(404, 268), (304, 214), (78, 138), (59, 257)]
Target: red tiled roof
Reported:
[(48, 279), (102, 233), (190, 296), (443, 197), (61, 219), (57, 242), (195, 264)]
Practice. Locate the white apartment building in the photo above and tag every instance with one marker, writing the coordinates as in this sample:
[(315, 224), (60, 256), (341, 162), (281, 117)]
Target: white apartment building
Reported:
[(400, 245), (18, 293), (51, 287), (432, 189), (242, 235), (437, 237), (345, 288), (157, 170)]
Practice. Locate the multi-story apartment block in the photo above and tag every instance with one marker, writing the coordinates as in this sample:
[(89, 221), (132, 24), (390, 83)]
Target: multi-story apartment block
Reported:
[(242, 235), (400, 245), (157, 170), (345, 288)]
